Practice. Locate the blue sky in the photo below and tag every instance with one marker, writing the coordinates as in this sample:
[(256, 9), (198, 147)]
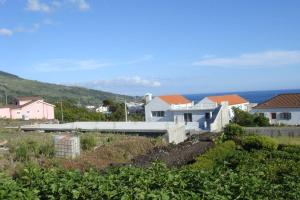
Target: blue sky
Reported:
[(163, 47)]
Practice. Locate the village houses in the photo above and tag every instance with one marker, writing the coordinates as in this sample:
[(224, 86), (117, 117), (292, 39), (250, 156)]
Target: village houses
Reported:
[(28, 108)]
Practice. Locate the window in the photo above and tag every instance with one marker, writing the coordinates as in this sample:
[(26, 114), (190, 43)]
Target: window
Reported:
[(207, 116), (273, 115), (261, 114), (188, 117), (158, 113), (286, 116), (18, 112)]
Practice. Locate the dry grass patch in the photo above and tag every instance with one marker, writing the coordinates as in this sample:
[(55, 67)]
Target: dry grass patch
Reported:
[(118, 151)]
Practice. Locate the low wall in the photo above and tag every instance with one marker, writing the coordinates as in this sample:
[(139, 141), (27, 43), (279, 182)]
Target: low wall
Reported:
[(275, 131)]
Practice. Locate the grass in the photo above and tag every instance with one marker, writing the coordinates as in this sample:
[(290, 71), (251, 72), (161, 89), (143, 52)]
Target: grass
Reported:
[(106, 149), (287, 140)]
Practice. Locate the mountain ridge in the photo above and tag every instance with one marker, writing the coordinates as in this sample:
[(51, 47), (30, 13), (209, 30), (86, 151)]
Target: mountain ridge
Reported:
[(16, 86)]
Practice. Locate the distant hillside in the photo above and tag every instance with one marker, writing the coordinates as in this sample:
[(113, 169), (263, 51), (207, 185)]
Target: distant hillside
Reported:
[(17, 87)]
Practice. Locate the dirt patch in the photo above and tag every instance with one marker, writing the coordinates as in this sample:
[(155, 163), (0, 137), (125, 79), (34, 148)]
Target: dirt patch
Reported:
[(174, 155), (117, 153)]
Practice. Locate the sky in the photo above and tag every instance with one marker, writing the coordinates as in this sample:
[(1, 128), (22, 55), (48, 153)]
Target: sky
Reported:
[(157, 46)]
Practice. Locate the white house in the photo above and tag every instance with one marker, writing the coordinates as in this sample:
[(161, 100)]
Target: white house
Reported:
[(205, 116), (103, 109), (281, 109), (234, 101)]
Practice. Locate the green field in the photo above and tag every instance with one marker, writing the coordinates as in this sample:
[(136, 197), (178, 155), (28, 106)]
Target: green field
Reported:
[(287, 140)]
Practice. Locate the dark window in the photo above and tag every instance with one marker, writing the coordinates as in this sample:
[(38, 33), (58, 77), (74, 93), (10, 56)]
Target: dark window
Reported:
[(286, 116), (188, 117), (274, 116), (207, 116), (158, 113), (261, 114)]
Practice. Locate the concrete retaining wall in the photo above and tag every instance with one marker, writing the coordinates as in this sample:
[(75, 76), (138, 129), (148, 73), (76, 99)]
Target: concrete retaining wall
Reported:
[(275, 131), (174, 132)]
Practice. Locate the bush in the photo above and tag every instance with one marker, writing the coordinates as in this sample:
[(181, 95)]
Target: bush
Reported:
[(232, 131), (47, 150), (215, 155), (22, 153), (289, 148), (261, 121), (258, 142), (88, 142), (244, 118)]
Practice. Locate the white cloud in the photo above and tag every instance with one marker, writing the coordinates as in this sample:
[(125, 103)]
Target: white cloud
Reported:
[(81, 4), (54, 65), (135, 81), (70, 65), (37, 6), (262, 59), (6, 32)]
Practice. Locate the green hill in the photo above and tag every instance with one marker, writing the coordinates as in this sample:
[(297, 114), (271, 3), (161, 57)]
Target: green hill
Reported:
[(17, 87)]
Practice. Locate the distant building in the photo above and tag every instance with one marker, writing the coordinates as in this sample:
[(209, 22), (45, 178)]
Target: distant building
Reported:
[(135, 107), (204, 116), (281, 109), (90, 107), (103, 109), (28, 108), (234, 101)]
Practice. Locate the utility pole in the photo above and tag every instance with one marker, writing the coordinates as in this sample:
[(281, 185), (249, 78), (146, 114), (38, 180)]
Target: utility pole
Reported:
[(62, 111), (5, 96), (5, 91), (125, 109)]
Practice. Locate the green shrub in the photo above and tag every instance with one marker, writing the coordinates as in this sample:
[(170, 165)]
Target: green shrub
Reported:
[(258, 142), (232, 131), (215, 155), (22, 153), (244, 118), (88, 142), (289, 148), (47, 149), (260, 120)]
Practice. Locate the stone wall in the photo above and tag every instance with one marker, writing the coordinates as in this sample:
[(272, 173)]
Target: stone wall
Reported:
[(275, 131)]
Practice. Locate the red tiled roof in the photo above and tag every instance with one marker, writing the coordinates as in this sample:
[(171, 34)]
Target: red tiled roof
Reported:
[(29, 98), (174, 99), (281, 101), (231, 99)]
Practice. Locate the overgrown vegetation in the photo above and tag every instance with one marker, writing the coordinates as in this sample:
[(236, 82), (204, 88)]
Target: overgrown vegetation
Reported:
[(232, 131), (214, 156), (244, 118), (88, 141), (257, 174), (72, 112), (250, 142)]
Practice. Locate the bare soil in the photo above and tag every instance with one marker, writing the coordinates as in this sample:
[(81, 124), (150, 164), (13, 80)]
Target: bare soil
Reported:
[(174, 155)]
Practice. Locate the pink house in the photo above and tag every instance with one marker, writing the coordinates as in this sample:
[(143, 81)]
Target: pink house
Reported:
[(28, 108)]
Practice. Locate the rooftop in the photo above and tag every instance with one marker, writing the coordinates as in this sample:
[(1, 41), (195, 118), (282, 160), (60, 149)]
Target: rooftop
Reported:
[(281, 101), (33, 98), (175, 99), (232, 99)]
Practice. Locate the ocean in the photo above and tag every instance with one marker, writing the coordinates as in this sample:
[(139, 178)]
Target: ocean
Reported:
[(251, 96)]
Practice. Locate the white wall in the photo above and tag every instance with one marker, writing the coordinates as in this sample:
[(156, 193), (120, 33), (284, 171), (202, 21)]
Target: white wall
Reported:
[(295, 112), (158, 105)]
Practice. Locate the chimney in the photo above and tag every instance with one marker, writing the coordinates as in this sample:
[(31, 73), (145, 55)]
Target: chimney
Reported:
[(148, 97)]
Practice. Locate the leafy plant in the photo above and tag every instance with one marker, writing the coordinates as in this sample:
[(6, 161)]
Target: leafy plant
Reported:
[(258, 142), (232, 131), (88, 142), (215, 155)]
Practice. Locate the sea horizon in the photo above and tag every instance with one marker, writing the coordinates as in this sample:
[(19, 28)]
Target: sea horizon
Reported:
[(258, 96)]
